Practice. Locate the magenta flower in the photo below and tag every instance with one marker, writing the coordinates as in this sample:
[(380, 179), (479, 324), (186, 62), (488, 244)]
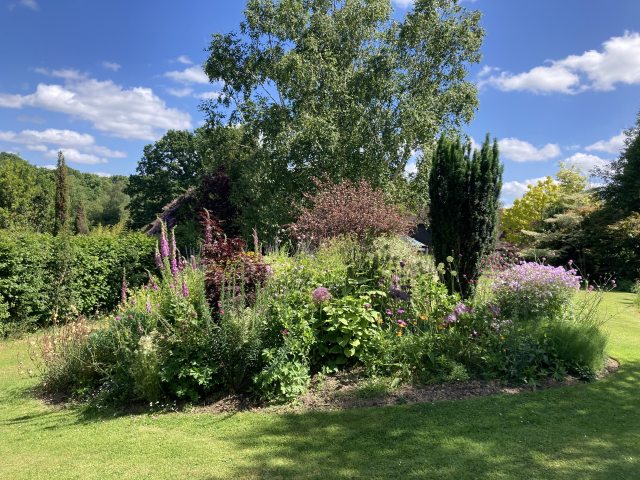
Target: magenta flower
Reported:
[(185, 291), (164, 243), (148, 307), (321, 295)]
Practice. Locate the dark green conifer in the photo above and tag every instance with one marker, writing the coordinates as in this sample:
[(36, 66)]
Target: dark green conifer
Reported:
[(62, 197), (622, 176), (464, 190)]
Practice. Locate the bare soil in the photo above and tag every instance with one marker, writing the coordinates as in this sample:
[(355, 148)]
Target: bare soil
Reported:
[(345, 390)]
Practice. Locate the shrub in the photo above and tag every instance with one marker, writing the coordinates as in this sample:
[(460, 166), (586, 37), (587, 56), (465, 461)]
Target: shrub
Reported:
[(33, 270), (530, 292), (227, 264), (347, 209)]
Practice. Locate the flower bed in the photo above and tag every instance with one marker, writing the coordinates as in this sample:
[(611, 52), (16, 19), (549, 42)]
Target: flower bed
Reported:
[(234, 321)]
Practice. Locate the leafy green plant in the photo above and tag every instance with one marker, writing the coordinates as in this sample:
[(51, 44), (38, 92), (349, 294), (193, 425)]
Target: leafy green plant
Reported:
[(283, 377), (344, 328)]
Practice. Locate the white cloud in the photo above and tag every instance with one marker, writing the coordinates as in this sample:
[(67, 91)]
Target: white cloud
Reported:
[(25, 118), (37, 148), (68, 74), (74, 156), (207, 95), (572, 147), (102, 174), (180, 92), (475, 145), (111, 66), (585, 161), (135, 113), (619, 62), (613, 145), (188, 76), (26, 3), (520, 151), (517, 189), (184, 59), (34, 140), (50, 167)]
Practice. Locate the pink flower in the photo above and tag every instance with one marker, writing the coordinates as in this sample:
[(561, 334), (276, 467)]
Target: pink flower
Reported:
[(321, 295)]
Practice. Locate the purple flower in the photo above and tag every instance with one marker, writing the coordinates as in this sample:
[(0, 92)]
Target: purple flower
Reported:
[(185, 291), (123, 293), (164, 243), (400, 311), (321, 295), (148, 307)]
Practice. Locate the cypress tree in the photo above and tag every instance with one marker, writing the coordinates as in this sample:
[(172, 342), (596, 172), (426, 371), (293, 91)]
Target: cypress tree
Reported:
[(464, 190), (62, 197), (81, 220)]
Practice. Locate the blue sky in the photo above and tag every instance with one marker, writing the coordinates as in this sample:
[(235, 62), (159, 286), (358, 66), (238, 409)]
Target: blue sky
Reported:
[(100, 80)]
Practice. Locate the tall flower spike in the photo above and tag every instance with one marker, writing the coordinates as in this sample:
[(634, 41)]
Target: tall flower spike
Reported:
[(185, 290), (123, 293), (164, 243), (148, 306), (158, 258), (152, 283), (174, 264)]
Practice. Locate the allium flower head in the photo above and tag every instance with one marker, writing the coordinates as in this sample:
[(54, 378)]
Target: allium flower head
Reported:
[(321, 295)]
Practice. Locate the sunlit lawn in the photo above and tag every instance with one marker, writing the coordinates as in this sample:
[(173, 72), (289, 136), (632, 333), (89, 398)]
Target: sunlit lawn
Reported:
[(590, 431)]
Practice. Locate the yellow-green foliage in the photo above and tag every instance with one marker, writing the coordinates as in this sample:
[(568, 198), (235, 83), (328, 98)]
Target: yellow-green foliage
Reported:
[(528, 210)]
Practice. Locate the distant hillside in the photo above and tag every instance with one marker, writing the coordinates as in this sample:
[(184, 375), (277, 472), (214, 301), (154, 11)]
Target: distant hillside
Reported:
[(27, 195)]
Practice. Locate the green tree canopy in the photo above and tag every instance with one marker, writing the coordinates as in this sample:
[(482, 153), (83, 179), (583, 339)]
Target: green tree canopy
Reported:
[(622, 189), (339, 88), (167, 169), (27, 196)]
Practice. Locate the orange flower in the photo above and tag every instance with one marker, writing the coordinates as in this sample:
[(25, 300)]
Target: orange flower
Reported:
[(399, 334), (415, 323), (501, 338), (379, 320), (423, 317), (504, 349), (439, 327)]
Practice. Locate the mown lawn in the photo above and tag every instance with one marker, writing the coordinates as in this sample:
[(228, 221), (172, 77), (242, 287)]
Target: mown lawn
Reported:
[(590, 431)]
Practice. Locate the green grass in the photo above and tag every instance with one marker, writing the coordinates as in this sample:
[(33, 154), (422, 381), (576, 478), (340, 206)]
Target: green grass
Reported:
[(584, 432)]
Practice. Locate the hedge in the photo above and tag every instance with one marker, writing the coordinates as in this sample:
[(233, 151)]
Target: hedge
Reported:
[(82, 273)]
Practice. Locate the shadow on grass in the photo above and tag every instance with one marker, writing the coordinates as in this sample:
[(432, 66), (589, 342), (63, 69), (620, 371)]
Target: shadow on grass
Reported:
[(590, 431)]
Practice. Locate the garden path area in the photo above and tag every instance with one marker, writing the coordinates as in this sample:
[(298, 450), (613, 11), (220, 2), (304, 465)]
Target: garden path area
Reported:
[(589, 432)]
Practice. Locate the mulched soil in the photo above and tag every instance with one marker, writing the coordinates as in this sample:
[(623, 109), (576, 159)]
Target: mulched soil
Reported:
[(343, 391)]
